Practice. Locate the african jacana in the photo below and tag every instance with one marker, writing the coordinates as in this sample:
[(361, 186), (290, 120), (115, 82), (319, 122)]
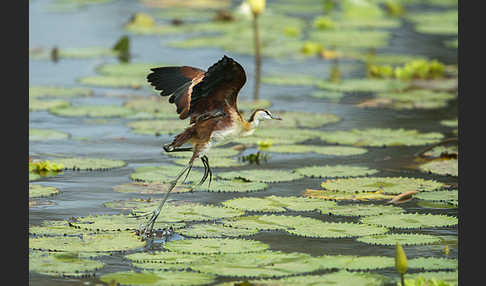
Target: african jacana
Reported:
[(209, 98)]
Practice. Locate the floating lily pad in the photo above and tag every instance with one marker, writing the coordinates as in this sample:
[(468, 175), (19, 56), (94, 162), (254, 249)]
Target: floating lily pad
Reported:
[(260, 264), (189, 212), (55, 227), (86, 53), (333, 95), (402, 238), (215, 246), (340, 278), (279, 204), (262, 175), (145, 278), (114, 81), (38, 191), (415, 99), (157, 127), (127, 69), (351, 262), (439, 151), (213, 152), (58, 91), (214, 230), (451, 197), (214, 162), (432, 263), (153, 107), (436, 22), (130, 203), (102, 242), (34, 176), (378, 137), (347, 196), (364, 210), (83, 163), (92, 111), (335, 171), (292, 80), (389, 185), (163, 260), (148, 188), (324, 150), (46, 134), (363, 85), (62, 264), (293, 119), (442, 167), (37, 105), (411, 220), (232, 186), (163, 174), (350, 38), (121, 222), (253, 223), (279, 135), (450, 122)]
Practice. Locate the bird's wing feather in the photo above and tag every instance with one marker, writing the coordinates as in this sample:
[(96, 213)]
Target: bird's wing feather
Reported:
[(177, 82), (216, 93)]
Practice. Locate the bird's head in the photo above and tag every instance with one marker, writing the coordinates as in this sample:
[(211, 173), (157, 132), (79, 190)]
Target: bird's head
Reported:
[(262, 114)]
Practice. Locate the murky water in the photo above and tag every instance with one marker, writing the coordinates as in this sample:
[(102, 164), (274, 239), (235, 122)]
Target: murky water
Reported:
[(84, 193)]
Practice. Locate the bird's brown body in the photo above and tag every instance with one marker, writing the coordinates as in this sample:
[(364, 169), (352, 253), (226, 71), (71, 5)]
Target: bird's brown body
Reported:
[(209, 98)]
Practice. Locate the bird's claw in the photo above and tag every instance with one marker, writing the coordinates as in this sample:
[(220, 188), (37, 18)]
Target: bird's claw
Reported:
[(146, 230)]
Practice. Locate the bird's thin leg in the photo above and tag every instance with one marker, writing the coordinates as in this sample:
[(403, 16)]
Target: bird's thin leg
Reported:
[(209, 169), (206, 170), (146, 230), (168, 148), (187, 175)]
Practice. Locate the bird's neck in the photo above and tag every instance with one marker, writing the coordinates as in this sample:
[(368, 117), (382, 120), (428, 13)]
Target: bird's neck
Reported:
[(253, 121)]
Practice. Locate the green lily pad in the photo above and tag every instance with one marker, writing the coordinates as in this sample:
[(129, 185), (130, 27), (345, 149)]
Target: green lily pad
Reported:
[(38, 105), (213, 152), (292, 80), (214, 231), (163, 174), (214, 162), (333, 95), (86, 53), (324, 150), (55, 227), (389, 185), (410, 220), (351, 262), (347, 196), (438, 151), (293, 119), (415, 99), (436, 22), (62, 264), (189, 212), (232, 186), (335, 171), (92, 111), (451, 197), (363, 85), (46, 134), (260, 264), (279, 135), (432, 263), (121, 222), (34, 176), (102, 242), (163, 260), (58, 91), (340, 278), (378, 137), (90, 164), (364, 210), (153, 107), (350, 38), (157, 127), (148, 188), (279, 204), (441, 167), (127, 69), (114, 81), (402, 238), (215, 246), (262, 175), (253, 223), (39, 191), (450, 122), (146, 278)]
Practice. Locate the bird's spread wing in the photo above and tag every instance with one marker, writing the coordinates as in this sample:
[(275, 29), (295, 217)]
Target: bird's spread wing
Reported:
[(216, 93), (201, 95), (176, 82)]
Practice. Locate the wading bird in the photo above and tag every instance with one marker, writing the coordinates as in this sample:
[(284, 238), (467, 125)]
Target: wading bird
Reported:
[(209, 99)]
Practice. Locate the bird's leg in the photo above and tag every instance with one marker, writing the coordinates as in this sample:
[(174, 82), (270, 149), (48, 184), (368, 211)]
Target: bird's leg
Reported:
[(187, 175), (210, 172), (206, 170), (146, 230), (168, 148)]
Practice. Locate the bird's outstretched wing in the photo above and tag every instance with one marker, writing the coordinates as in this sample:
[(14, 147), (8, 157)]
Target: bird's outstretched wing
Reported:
[(176, 82), (201, 95)]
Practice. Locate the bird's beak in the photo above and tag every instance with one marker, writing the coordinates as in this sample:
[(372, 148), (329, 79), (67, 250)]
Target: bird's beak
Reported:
[(275, 117)]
